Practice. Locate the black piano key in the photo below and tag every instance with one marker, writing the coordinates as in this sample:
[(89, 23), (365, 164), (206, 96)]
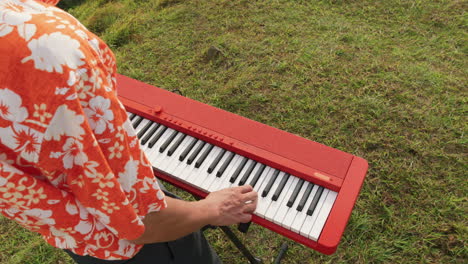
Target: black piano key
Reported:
[(280, 187), (314, 202), (156, 137), (176, 145), (305, 196), (295, 193), (137, 121), (270, 183), (150, 134), (187, 149), (247, 173), (238, 170), (131, 116), (257, 175), (195, 153), (168, 141), (202, 158), (216, 161), (144, 129), (225, 164)]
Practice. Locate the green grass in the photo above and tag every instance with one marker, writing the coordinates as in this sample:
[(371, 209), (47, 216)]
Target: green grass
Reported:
[(385, 80)]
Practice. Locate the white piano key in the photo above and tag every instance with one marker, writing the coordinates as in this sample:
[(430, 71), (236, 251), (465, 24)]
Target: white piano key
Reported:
[(216, 180), (149, 151), (155, 155), (213, 178), (154, 124), (275, 206), (310, 220), (242, 172), (227, 183), (301, 216), (168, 159), (282, 208), (252, 173), (308, 223), (261, 179), (291, 212), (175, 163), (136, 120), (323, 215), (224, 179), (203, 174), (142, 125), (182, 171), (190, 173), (160, 141), (264, 202)]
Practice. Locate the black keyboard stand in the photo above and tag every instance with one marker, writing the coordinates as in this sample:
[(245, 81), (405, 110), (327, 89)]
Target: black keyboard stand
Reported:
[(240, 246)]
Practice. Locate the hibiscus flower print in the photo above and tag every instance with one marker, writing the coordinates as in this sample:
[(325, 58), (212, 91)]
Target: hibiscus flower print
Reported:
[(50, 52), (23, 140), (63, 239), (99, 115), (42, 216), (15, 12), (73, 154), (11, 106), (65, 122), (129, 177)]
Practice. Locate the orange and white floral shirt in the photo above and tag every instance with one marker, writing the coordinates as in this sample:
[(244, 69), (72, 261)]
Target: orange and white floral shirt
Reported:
[(71, 167)]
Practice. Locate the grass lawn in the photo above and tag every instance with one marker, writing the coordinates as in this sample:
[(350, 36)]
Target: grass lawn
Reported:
[(384, 80)]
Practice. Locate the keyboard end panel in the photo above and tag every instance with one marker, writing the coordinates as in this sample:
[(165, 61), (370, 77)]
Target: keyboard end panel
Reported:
[(343, 206)]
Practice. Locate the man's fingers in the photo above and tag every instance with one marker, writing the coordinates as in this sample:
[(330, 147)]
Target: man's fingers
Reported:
[(245, 188), (245, 218), (251, 196), (250, 208)]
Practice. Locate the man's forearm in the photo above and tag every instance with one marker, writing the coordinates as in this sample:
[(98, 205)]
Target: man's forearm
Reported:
[(179, 219)]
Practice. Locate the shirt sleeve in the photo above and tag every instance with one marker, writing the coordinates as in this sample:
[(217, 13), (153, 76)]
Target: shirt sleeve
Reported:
[(90, 149), (74, 166), (101, 163)]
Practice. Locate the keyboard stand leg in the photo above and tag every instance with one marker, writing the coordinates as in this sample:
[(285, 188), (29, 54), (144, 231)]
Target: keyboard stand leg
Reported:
[(240, 246), (283, 250)]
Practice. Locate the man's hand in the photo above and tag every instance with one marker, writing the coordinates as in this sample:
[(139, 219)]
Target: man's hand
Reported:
[(224, 207), (231, 206)]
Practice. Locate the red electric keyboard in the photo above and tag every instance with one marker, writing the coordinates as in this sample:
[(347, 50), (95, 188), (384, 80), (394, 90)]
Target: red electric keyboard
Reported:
[(306, 190)]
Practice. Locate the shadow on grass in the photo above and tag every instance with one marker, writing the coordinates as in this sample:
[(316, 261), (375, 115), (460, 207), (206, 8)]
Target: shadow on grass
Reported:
[(67, 4)]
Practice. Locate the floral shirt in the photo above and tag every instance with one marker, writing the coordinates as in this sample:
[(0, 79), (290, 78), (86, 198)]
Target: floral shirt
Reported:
[(71, 167)]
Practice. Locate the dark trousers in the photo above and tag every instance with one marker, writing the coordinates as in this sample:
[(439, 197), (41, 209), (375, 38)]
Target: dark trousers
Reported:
[(191, 249)]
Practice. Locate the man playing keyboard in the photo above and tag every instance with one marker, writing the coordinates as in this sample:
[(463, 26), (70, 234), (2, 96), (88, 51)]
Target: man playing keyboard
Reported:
[(71, 167)]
